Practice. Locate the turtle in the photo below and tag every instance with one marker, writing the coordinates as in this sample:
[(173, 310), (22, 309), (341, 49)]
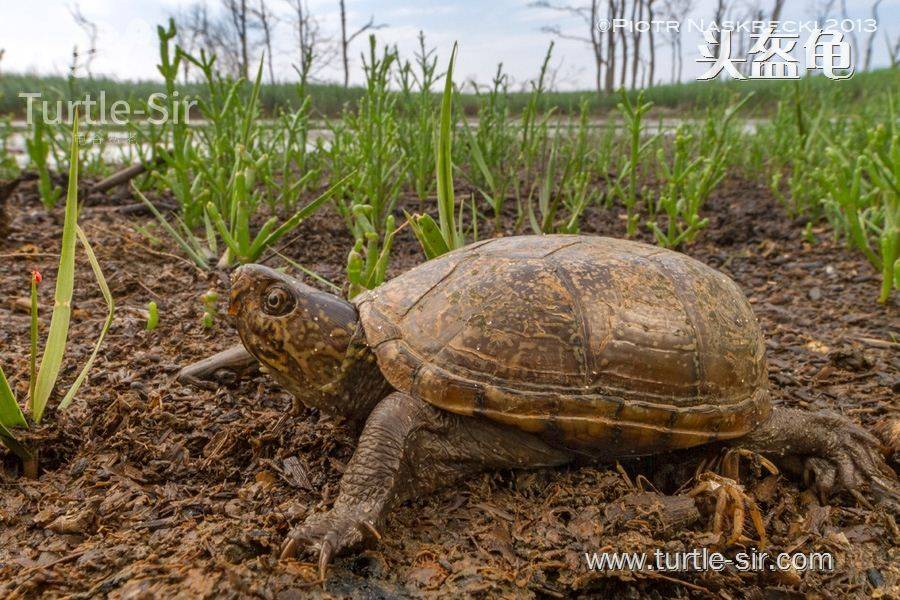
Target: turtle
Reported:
[(531, 351)]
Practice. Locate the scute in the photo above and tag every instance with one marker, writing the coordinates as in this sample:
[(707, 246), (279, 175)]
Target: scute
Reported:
[(596, 342)]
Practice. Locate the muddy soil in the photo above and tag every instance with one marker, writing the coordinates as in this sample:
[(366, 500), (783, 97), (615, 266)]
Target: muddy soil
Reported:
[(151, 489)]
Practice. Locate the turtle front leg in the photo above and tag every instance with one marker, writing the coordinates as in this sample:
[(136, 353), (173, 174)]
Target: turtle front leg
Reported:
[(830, 449), (410, 448), (223, 367)]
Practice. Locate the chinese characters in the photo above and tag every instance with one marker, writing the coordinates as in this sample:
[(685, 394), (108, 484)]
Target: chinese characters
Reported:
[(771, 55)]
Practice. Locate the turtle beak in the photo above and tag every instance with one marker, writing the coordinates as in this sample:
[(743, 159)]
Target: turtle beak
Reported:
[(239, 283)]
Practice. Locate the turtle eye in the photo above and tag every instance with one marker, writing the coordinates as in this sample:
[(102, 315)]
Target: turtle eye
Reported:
[(278, 301)]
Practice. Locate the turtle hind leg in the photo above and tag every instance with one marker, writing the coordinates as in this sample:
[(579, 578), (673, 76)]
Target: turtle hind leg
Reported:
[(409, 448), (829, 451)]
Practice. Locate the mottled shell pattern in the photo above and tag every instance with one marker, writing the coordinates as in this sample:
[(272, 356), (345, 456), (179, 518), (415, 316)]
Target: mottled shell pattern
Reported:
[(592, 342)]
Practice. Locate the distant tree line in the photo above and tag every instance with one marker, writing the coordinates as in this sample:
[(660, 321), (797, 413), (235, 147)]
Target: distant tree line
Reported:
[(242, 28)]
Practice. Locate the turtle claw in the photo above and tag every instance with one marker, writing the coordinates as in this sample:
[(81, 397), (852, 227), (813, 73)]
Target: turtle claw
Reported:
[(328, 534), (289, 550), (832, 453), (854, 465), (325, 555), (368, 530)]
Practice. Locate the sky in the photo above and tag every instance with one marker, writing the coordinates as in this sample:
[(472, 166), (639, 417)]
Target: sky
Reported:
[(38, 37)]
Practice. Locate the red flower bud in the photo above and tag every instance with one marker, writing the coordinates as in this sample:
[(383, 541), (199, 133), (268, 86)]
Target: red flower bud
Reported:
[(36, 276)]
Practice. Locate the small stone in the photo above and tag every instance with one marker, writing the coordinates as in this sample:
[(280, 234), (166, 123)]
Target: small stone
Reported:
[(815, 294), (875, 578)]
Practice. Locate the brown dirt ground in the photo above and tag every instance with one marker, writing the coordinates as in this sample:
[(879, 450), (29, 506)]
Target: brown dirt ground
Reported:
[(151, 489)]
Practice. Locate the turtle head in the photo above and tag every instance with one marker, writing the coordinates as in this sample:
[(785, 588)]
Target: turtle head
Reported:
[(298, 333)]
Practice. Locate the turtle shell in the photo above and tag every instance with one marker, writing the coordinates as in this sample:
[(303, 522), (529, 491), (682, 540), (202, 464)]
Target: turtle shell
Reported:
[(592, 342)]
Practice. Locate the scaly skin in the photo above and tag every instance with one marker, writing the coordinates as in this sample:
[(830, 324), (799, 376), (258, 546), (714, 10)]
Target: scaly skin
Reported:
[(410, 448), (230, 364), (313, 344), (835, 453)]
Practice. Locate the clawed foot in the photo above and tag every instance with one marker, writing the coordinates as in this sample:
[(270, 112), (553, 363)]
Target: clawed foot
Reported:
[(852, 464), (831, 453), (223, 368), (328, 534)]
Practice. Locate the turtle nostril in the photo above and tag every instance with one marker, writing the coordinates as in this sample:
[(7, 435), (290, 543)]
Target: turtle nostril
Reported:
[(233, 302)]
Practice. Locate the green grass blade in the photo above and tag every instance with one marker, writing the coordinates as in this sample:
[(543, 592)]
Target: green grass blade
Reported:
[(446, 200), (222, 228), (263, 233), (306, 271), (294, 221), (532, 218), (251, 105), (198, 260), (478, 158), (10, 413), (315, 204), (240, 227), (33, 338), (55, 348), (380, 270), (10, 441), (210, 235), (104, 289)]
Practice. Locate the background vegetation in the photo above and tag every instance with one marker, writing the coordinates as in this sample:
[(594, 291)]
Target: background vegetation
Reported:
[(329, 100)]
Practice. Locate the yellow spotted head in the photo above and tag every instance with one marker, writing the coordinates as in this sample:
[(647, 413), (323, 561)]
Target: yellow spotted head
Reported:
[(300, 334)]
